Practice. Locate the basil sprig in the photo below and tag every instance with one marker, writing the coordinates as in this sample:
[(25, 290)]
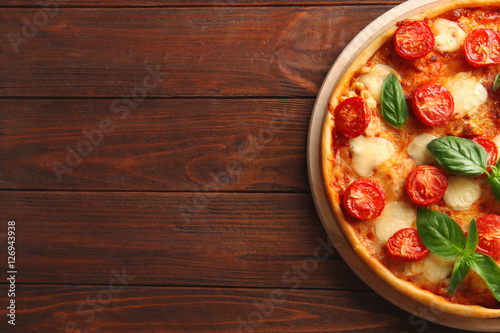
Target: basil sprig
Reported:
[(459, 156), (444, 238), (465, 157), (496, 84), (393, 102)]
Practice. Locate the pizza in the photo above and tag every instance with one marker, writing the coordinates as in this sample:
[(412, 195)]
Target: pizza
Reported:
[(410, 157)]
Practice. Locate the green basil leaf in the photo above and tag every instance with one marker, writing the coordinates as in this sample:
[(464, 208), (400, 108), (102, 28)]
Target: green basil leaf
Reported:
[(393, 103), (472, 238), (496, 84), (460, 270), (487, 269), (439, 233), (459, 156), (494, 182)]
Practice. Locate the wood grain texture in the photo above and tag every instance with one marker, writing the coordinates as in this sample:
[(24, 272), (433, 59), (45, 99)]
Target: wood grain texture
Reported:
[(160, 145), (49, 309), (260, 240), (166, 3), (215, 51)]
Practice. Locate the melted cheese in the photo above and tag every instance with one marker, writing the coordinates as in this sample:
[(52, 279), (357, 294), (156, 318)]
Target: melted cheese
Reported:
[(395, 216), (432, 269), (467, 93), (417, 149), (461, 193), (374, 79), (448, 35), (369, 153)]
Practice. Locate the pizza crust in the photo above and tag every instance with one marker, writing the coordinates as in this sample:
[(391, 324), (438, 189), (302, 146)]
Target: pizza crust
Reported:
[(424, 297)]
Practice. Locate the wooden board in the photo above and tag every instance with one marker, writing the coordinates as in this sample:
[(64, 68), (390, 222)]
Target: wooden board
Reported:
[(358, 44), (207, 51), (49, 309), (165, 3), (204, 239), (161, 145)]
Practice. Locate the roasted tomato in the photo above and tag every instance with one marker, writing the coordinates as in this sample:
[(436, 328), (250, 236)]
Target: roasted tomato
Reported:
[(352, 117), (491, 149), (432, 104), (413, 40), (426, 184), (488, 230), (364, 199), (482, 47), (405, 245)]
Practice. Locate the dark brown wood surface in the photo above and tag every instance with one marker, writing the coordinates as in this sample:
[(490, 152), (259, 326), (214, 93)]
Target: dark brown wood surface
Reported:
[(153, 158)]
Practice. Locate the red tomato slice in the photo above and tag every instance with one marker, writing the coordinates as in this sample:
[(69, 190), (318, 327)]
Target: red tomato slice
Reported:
[(364, 199), (482, 47), (432, 104), (491, 149), (413, 40), (352, 117), (426, 184), (405, 245), (488, 229)]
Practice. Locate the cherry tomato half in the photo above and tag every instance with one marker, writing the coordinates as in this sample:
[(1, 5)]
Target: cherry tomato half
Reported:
[(352, 117), (426, 184), (413, 40), (482, 47), (364, 199), (405, 245), (488, 229), (432, 104), (491, 149)]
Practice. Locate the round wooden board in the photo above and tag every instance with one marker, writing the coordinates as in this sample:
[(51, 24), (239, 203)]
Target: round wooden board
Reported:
[(358, 44)]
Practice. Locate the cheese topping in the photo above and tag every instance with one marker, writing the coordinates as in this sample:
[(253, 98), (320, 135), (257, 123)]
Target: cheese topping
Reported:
[(369, 153), (375, 79), (417, 149), (461, 193), (448, 36), (467, 93), (431, 269), (395, 216)]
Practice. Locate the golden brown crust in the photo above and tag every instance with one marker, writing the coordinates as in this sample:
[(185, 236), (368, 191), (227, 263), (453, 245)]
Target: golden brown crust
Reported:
[(409, 289)]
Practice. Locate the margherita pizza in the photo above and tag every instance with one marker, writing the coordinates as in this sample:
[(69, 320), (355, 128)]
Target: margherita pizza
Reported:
[(410, 157)]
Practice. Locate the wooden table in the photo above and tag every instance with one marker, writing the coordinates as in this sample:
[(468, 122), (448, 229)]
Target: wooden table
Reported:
[(153, 162)]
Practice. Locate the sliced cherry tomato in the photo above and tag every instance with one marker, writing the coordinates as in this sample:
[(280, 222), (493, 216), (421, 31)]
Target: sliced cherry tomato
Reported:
[(426, 184), (352, 117), (405, 245), (488, 230), (491, 149), (364, 199), (482, 47), (413, 40), (432, 104)]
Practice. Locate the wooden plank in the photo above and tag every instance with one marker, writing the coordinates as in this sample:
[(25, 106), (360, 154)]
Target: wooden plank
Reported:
[(215, 51), (131, 309), (232, 239), (160, 145), (165, 3)]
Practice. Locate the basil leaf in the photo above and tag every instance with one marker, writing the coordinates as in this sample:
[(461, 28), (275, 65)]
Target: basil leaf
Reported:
[(393, 103), (439, 233), (487, 269), (472, 238), (459, 156), (460, 270), (494, 182), (496, 84)]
